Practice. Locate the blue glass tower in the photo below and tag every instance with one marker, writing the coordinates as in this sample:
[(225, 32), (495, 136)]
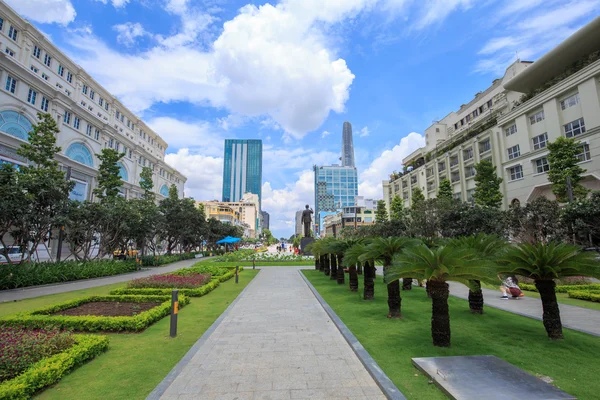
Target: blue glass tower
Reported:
[(335, 187), (242, 168)]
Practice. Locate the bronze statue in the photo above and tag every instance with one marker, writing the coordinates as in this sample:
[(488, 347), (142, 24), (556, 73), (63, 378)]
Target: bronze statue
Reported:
[(306, 220)]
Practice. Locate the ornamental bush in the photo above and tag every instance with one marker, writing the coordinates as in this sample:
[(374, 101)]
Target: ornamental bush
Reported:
[(155, 261), (30, 274), (202, 269), (188, 281), (198, 292), (20, 348), (50, 370), (589, 295), (563, 288)]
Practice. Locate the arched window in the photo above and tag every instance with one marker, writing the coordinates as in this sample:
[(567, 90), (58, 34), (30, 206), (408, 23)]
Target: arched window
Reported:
[(15, 124), (164, 190), (80, 153), (123, 172)]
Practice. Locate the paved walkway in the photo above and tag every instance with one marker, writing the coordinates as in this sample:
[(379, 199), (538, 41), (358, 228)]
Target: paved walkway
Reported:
[(276, 342), (36, 291)]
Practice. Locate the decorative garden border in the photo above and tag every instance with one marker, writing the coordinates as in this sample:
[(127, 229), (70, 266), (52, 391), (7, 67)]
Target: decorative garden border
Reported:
[(41, 318), (50, 370)]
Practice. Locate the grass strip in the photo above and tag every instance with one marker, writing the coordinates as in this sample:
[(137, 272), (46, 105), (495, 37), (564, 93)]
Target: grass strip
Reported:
[(571, 363)]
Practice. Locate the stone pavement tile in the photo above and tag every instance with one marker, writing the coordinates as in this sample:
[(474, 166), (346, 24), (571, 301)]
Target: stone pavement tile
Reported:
[(273, 395), (255, 386)]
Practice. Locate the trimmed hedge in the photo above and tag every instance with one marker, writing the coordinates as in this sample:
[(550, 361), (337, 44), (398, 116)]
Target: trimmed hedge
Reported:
[(42, 319), (50, 370), (562, 288), (198, 292), (202, 268), (155, 261), (589, 295), (14, 276)]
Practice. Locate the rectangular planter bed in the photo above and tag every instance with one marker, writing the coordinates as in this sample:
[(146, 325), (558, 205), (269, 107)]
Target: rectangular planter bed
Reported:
[(53, 316), (50, 370), (197, 292)]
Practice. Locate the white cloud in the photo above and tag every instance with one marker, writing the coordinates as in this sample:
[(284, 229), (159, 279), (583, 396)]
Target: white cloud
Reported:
[(325, 134), (129, 32), (434, 11), (192, 134), (204, 173), (45, 11), (528, 32), (364, 132), (389, 161), (282, 204), (115, 3)]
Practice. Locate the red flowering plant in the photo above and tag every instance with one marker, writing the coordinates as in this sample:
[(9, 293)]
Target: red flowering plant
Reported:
[(165, 281), (20, 348)]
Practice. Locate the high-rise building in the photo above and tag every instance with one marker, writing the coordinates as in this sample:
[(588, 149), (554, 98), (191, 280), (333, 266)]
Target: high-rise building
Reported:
[(299, 231), (242, 168), (265, 219), (335, 187), (347, 146)]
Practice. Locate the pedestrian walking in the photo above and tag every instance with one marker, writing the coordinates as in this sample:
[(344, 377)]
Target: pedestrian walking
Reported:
[(510, 284)]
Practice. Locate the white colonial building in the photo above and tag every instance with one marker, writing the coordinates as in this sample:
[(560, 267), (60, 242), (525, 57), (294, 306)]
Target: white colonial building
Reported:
[(512, 131), (35, 76)]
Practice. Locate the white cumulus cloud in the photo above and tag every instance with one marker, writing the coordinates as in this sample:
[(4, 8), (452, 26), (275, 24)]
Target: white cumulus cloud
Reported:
[(203, 173), (129, 32), (364, 132), (45, 11)]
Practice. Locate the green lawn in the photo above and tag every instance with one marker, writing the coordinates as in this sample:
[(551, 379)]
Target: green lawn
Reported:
[(136, 363), (572, 363)]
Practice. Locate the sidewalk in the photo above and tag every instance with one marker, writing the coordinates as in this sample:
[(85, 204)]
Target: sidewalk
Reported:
[(36, 291), (275, 342)]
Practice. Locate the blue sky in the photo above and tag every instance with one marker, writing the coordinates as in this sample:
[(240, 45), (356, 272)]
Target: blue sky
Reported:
[(291, 72)]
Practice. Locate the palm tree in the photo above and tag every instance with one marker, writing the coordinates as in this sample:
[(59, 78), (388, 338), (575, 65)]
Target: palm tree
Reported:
[(439, 265), (488, 246), (315, 249), (351, 260), (543, 263), (341, 246), (383, 250), (330, 248)]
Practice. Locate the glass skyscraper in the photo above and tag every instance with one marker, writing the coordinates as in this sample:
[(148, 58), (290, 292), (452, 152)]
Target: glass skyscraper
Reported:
[(242, 168), (335, 187), (347, 146)]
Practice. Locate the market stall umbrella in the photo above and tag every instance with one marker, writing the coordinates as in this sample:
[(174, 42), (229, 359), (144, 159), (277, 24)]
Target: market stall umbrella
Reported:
[(228, 240)]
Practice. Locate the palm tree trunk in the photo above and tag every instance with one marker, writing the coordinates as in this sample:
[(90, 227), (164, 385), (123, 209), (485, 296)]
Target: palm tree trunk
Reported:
[(327, 265), (321, 263), (476, 298), (353, 278), (369, 284), (317, 263), (333, 267), (359, 269), (340, 270), (394, 299), (427, 288), (440, 316), (551, 315), (406, 283)]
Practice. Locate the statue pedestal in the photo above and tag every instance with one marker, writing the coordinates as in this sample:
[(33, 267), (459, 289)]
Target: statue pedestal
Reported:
[(305, 241)]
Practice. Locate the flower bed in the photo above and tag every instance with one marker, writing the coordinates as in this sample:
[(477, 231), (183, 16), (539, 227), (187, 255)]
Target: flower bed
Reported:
[(43, 318), (31, 274), (49, 370), (249, 255), (189, 281), (201, 268), (20, 348)]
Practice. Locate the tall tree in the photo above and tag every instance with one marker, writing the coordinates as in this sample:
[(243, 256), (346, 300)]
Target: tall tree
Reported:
[(445, 190), (44, 184), (381, 214), (109, 180), (563, 161), (418, 198), (397, 209), (487, 185), (146, 183), (12, 204)]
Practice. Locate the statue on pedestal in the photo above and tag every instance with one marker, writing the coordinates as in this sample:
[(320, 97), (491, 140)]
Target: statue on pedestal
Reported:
[(307, 220)]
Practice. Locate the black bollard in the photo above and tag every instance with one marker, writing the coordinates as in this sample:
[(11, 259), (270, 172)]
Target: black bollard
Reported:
[(174, 312), (237, 273)]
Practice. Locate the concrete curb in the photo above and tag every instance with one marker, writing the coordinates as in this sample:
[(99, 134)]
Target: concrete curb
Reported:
[(162, 387), (385, 384)]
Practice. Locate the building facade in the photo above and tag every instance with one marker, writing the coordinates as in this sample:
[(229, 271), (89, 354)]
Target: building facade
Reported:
[(242, 169), (244, 213), (265, 219), (352, 217), (335, 187), (512, 130), (347, 146), (35, 76)]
